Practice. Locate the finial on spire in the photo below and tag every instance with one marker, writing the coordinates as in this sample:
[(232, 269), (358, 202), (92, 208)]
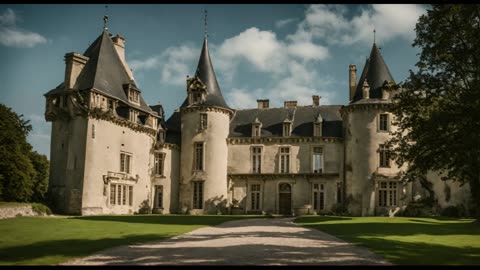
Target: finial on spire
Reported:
[(206, 22), (374, 31), (105, 18)]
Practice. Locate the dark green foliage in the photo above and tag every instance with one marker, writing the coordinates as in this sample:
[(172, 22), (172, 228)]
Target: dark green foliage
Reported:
[(454, 211), (340, 209), (145, 208), (41, 209), (438, 108), (419, 210), (23, 173)]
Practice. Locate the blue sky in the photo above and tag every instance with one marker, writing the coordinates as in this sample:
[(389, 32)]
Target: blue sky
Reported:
[(279, 52)]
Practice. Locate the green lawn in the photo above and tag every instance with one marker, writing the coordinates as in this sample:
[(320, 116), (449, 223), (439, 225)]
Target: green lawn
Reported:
[(51, 240), (407, 241)]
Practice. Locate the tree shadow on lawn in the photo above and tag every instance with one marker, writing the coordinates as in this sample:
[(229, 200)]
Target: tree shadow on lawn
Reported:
[(169, 219), (67, 248), (373, 235)]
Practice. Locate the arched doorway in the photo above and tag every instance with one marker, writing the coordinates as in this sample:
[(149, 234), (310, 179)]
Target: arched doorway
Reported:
[(285, 199)]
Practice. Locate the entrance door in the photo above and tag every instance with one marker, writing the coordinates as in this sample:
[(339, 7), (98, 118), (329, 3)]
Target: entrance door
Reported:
[(285, 199)]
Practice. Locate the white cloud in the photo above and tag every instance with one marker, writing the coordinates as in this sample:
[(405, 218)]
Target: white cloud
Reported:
[(330, 24), (12, 36), (282, 23), (308, 51)]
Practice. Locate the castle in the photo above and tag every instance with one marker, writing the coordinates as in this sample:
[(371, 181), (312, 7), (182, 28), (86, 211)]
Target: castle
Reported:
[(111, 153)]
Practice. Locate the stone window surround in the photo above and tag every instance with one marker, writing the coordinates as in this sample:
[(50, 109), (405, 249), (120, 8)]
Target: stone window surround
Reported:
[(286, 154), (197, 194), (260, 155), (319, 187), (255, 194), (128, 196), (161, 157), (322, 165), (130, 162), (196, 167), (379, 122)]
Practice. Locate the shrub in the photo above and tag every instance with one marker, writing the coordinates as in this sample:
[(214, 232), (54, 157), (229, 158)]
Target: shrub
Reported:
[(419, 210), (145, 208), (339, 209), (41, 209)]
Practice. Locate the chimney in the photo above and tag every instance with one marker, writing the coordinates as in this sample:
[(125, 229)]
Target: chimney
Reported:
[(366, 90), (316, 100), (291, 103), (119, 44), (74, 63), (352, 79), (263, 103)]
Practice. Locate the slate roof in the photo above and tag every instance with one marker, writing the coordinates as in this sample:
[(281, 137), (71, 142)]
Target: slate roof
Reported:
[(173, 134), (303, 118), (207, 75), (376, 73), (105, 72)]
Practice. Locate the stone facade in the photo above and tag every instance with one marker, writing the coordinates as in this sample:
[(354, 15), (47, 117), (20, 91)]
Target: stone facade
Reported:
[(111, 153)]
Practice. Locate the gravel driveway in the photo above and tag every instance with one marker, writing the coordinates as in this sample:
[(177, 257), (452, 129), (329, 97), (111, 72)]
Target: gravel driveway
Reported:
[(240, 242)]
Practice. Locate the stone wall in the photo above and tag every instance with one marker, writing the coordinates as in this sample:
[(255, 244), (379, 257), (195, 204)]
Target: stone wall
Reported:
[(14, 211)]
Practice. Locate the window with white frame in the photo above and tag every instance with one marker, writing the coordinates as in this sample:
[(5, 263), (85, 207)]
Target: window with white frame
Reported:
[(125, 162), (120, 194), (383, 122), (255, 196), (158, 202), (318, 197), (198, 156), (387, 193), (133, 116), (256, 159), (203, 121), (197, 195), (159, 163), (384, 156), (256, 130), (317, 159), (284, 159)]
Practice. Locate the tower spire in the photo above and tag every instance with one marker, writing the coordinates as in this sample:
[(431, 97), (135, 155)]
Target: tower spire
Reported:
[(374, 32), (105, 18), (205, 23)]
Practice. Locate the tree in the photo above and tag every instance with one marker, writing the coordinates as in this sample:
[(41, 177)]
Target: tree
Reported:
[(438, 107), (16, 169), (40, 180)]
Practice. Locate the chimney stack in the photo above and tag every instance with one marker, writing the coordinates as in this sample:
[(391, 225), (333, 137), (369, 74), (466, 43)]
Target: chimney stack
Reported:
[(119, 44), (291, 103), (316, 100), (263, 103), (74, 63), (352, 79)]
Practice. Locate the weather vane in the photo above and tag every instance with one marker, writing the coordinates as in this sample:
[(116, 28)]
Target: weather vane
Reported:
[(205, 21), (105, 18)]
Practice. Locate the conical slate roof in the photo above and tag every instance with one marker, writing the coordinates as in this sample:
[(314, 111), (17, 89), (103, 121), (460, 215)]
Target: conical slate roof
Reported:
[(206, 74), (376, 73), (105, 72)]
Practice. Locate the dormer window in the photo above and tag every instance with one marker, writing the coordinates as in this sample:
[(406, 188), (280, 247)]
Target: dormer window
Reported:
[(133, 116), (133, 96), (317, 126), (256, 128), (196, 91), (161, 135), (287, 128)]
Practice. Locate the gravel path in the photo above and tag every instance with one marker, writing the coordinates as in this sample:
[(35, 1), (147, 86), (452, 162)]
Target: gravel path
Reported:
[(240, 242)]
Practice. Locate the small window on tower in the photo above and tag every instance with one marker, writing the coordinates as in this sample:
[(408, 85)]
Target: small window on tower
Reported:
[(203, 121), (383, 122)]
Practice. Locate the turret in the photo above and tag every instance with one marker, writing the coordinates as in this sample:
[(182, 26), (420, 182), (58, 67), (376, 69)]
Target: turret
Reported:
[(205, 118), (371, 181)]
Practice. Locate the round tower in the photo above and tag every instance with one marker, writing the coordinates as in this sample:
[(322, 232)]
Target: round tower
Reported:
[(371, 182), (205, 119)]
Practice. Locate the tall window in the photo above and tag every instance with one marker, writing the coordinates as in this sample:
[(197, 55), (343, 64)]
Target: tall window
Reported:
[(196, 97), (203, 121), (125, 162), (318, 197), (383, 122), (121, 194), (339, 192), (158, 196), (198, 149), (287, 129), (197, 195), (256, 159), (93, 131), (317, 160), (284, 160), (133, 116), (159, 163), (255, 196), (387, 194), (384, 156)]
